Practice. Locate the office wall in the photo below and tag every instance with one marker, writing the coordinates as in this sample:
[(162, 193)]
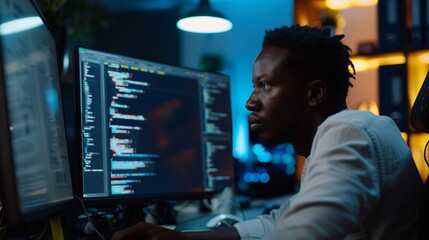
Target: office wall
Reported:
[(152, 34), (144, 33), (238, 48), (361, 27)]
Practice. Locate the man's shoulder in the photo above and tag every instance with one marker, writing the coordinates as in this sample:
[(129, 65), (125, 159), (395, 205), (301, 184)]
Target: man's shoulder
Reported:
[(356, 116), (350, 117), (364, 120)]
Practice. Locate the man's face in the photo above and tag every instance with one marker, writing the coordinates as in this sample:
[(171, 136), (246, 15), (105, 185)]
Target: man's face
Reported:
[(277, 101)]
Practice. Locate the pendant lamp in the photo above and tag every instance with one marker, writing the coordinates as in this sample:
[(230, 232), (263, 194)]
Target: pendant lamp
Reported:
[(204, 20)]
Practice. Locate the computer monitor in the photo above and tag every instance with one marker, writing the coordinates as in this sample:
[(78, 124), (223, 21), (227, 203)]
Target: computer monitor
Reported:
[(151, 131), (35, 181)]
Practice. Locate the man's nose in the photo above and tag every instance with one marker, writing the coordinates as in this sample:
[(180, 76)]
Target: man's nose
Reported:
[(252, 103)]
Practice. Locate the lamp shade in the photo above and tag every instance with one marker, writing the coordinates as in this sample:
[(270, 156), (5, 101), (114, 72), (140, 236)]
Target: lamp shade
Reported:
[(204, 20)]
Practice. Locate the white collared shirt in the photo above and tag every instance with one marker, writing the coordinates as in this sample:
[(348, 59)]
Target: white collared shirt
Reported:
[(359, 182)]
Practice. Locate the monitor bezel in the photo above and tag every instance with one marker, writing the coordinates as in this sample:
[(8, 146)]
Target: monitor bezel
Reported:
[(133, 199), (9, 196)]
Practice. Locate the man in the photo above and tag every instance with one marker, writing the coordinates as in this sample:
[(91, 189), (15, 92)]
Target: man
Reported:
[(359, 179)]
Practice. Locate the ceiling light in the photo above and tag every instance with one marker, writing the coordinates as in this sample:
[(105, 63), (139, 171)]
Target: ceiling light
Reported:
[(204, 20)]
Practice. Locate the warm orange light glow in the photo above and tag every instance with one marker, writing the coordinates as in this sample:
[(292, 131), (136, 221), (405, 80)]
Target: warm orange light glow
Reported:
[(360, 65), (364, 63), (337, 4), (424, 57), (364, 3), (417, 69), (404, 136), (370, 106), (343, 4), (417, 146)]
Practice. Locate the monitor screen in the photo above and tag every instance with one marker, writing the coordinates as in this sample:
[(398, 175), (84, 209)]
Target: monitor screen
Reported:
[(150, 130), (35, 179)]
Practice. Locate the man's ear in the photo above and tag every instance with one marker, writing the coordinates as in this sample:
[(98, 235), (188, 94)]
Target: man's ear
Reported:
[(316, 92)]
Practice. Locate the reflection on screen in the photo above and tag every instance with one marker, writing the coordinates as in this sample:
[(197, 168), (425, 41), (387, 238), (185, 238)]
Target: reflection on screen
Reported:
[(36, 126), (150, 129)]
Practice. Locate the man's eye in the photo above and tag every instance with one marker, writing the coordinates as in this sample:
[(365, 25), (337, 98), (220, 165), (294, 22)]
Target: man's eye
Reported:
[(264, 85)]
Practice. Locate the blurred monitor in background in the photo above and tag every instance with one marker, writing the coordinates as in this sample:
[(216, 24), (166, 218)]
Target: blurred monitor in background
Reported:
[(267, 172)]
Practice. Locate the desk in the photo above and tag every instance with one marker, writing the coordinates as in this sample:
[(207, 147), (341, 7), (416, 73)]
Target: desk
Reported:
[(191, 216), (187, 211)]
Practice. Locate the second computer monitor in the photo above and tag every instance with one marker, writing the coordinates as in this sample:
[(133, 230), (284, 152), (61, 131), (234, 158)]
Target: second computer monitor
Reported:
[(35, 178), (150, 130)]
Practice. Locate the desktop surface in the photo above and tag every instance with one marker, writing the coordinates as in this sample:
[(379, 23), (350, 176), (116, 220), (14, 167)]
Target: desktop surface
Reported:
[(191, 218)]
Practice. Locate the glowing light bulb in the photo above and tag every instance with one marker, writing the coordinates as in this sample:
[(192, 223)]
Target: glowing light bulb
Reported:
[(204, 24)]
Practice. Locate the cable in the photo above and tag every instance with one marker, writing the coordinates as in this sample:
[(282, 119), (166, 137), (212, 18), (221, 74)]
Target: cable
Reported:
[(183, 207), (2, 232), (2, 228), (164, 212), (2, 214), (45, 226), (148, 210), (102, 214), (34, 229), (89, 218)]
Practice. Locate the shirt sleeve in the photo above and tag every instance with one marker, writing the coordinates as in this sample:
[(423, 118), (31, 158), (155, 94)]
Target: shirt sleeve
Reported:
[(340, 186), (259, 227)]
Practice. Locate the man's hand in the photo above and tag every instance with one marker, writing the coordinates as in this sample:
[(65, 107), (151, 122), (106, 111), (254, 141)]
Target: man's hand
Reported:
[(148, 231)]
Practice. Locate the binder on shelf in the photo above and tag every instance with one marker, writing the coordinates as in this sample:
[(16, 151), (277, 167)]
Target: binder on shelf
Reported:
[(393, 94), (391, 25), (417, 13)]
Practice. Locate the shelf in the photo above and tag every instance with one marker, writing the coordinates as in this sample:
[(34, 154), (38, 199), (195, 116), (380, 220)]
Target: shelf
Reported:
[(370, 62), (360, 27)]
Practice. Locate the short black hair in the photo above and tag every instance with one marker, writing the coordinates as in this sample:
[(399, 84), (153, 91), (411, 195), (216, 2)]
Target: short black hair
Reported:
[(315, 54)]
